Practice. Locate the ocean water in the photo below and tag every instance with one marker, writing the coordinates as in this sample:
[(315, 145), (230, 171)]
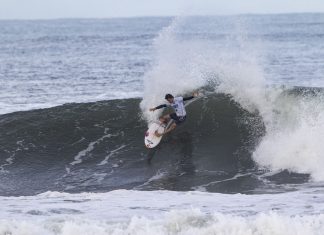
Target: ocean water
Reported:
[(74, 107)]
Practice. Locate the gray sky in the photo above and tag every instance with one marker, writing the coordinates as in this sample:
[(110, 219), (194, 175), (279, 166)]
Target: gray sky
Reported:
[(44, 9)]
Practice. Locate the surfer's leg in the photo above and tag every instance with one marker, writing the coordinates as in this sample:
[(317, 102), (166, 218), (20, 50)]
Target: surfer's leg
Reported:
[(178, 120), (173, 116), (171, 128)]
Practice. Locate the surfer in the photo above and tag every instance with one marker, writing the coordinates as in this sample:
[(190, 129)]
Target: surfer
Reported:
[(179, 114)]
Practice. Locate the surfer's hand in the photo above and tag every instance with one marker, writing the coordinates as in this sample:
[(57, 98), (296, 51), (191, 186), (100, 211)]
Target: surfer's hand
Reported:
[(152, 109), (195, 94)]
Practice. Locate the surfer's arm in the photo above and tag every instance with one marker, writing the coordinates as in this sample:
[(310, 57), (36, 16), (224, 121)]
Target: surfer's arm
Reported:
[(190, 97), (158, 107)]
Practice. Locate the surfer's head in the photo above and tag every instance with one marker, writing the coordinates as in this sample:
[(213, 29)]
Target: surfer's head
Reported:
[(169, 98)]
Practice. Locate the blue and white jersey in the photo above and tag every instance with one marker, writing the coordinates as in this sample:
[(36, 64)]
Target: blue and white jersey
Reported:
[(178, 106)]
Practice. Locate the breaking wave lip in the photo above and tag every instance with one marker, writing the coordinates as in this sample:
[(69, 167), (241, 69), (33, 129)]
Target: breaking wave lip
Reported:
[(293, 121), (292, 139)]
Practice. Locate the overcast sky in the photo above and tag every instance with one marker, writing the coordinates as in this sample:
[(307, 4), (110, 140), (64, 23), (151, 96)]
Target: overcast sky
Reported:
[(40, 9)]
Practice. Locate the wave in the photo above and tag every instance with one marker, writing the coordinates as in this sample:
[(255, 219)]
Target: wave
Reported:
[(130, 212), (292, 116), (99, 146), (176, 222), (242, 129)]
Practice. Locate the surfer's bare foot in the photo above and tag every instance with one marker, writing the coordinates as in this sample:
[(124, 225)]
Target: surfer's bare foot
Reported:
[(157, 134)]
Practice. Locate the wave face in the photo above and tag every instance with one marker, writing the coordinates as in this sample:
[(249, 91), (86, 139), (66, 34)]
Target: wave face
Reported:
[(99, 146)]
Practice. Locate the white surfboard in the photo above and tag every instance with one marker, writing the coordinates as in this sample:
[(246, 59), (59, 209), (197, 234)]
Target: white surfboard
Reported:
[(151, 140)]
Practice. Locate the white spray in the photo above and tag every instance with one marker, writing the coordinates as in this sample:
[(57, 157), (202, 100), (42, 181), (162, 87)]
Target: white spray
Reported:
[(175, 70), (294, 124)]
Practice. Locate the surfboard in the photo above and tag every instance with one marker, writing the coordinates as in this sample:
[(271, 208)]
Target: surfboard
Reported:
[(151, 140)]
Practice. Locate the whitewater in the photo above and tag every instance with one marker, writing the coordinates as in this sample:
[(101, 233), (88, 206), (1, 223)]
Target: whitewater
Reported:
[(74, 108), (130, 212)]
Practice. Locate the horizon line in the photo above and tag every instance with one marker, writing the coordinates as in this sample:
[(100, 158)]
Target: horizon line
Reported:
[(158, 16)]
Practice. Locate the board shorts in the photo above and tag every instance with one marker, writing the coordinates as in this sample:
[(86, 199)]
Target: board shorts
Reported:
[(178, 119)]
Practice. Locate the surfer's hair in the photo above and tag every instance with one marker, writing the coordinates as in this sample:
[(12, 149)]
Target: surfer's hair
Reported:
[(168, 96)]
